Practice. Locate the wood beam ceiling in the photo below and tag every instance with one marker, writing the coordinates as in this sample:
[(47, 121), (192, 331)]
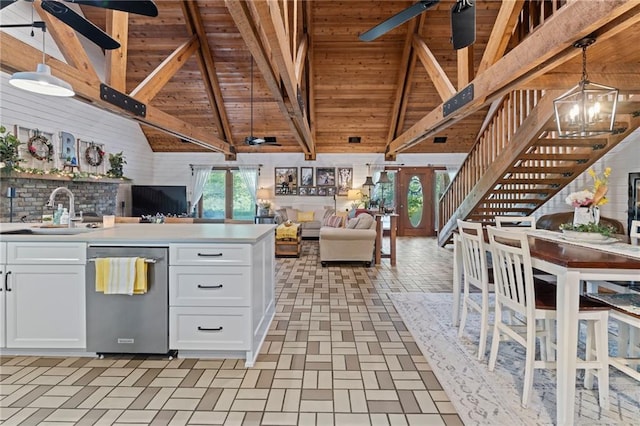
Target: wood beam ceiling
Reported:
[(543, 50), (193, 20), (274, 59), (434, 70), (116, 59)]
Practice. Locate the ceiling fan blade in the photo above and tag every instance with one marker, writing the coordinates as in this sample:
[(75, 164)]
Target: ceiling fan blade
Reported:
[(5, 3), (397, 19), (139, 7), (80, 24)]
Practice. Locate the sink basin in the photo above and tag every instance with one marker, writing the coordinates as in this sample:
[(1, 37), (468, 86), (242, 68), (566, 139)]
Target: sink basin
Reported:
[(47, 231)]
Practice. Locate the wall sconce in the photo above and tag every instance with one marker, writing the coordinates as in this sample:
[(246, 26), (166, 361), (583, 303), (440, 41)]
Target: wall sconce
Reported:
[(588, 108)]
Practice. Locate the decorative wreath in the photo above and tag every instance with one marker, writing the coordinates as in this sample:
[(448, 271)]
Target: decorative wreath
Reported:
[(94, 155), (40, 148)]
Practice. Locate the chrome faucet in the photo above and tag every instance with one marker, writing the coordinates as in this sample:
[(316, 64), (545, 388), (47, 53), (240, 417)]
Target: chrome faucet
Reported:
[(72, 211)]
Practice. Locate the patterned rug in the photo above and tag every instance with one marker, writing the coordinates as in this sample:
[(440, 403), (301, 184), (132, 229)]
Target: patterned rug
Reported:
[(484, 397)]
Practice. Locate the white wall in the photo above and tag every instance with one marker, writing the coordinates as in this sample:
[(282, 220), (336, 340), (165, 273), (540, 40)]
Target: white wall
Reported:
[(173, 169), (623, 159)]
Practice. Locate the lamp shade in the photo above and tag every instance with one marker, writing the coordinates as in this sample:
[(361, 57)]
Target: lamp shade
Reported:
[(42, 82), (354, 194), (368, 181), (263, 194), (384, 178)]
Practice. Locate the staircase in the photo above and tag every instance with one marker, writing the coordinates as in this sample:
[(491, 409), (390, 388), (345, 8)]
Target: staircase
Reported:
[(518, 162)]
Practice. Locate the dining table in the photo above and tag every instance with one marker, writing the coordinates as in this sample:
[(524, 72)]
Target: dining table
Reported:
[(571, 262)]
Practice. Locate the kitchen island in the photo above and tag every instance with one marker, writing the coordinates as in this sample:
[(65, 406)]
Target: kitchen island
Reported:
[(221, 285)]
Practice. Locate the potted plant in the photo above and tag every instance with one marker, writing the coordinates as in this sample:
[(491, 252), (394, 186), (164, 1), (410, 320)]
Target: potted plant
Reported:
[(116, 161), (9, 156)]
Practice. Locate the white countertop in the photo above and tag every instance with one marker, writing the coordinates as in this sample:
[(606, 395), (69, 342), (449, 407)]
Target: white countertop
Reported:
[(149, 233)]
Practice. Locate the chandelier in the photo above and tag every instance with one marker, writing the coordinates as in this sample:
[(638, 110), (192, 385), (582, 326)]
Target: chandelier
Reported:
[(587, 109)]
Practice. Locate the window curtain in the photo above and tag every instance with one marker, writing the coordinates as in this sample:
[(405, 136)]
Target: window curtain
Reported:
[(249, 175), (375, 174), (199, 177)]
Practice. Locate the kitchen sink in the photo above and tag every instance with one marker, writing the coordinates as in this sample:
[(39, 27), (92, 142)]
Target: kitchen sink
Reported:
[(47, 231)]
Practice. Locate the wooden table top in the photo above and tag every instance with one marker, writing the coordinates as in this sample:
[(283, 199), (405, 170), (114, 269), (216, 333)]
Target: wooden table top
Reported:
[(574, 256)]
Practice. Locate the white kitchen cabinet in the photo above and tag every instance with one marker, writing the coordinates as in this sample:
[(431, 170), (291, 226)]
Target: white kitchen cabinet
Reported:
[(45, 295), (221, 298), (3, 266)]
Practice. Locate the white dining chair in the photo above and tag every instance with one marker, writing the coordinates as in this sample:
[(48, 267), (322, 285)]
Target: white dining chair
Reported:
[(634, 230), (520, 222), (476, 274), (515, 291)]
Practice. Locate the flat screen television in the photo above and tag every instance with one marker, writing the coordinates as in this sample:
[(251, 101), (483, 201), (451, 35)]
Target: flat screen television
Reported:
[(164, 199)]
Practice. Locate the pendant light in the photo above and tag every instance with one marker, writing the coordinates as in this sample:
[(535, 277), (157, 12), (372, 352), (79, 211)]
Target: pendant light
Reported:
[(252, 140), (587, 109), (41, 81)]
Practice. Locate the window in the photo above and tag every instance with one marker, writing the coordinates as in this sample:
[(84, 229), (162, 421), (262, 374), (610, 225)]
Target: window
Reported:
[(227, 195)]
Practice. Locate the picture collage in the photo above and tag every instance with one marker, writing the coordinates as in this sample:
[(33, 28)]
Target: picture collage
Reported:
[(318, 181)]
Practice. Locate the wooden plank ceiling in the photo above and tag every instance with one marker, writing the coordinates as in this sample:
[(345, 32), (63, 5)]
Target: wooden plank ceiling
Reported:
[(194, 63)]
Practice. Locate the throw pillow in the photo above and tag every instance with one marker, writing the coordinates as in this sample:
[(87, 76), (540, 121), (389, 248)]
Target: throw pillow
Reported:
[(305, 216), (364, 221), (353, 223), (292, 214), (281, 215), (333, 221)]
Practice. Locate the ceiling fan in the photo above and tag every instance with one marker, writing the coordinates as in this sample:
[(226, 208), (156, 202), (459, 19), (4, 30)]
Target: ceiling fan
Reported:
[(463, 18), (76, 21), (254, 140)]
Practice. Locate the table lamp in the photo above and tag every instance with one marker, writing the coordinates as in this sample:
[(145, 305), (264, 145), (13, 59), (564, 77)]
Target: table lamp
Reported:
[(354, 195)]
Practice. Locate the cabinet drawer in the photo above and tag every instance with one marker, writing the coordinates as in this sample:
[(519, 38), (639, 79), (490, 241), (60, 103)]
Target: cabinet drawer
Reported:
[(210, 254), (209, 286), (47, 253), (202, 328)]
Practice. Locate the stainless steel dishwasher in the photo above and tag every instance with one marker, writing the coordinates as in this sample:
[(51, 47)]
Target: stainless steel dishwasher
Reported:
[(118, 323)]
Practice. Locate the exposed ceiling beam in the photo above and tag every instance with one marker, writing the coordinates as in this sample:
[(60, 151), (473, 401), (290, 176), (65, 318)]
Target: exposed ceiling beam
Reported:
[(68, 42), (207, 65), (501, 33), (436, 73), (465, 66), (270, 19), (401, 83), (308, 22), (19, 56), (543, 50), (301, 57), (116, 59), (262, 56), (154, 82)]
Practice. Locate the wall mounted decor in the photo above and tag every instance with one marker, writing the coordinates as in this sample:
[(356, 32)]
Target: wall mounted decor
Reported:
[(306, 176), (37, 150), (286, 180), (68, 149), (92, 156), (345, 180), (325, 176)]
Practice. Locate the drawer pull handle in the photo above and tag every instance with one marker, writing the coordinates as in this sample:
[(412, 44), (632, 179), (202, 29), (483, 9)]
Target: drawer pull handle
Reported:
[(6, 281), (210, 286), (210, 254), (209, 329)]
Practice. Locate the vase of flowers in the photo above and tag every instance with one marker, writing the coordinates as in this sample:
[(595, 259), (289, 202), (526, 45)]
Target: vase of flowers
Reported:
[(587, 203), (264, 208)]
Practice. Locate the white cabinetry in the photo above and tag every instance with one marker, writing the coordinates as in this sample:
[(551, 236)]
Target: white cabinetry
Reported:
[(3, 267), (45, 295), (221, 297)]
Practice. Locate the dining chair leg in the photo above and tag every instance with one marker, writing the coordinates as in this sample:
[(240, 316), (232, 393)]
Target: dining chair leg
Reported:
[(484, 326), (495, 340), (465, 309), (529, 363), (597, 357)]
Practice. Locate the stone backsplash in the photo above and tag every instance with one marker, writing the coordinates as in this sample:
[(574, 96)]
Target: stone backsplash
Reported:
[(32, 193)]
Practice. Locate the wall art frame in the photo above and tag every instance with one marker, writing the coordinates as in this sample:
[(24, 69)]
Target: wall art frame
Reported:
[(345, 180), (286, 180), (325, 176), (306, 176)]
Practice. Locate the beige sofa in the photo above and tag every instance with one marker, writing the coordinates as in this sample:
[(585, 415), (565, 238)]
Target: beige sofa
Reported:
[(300, 213), (346, 244)]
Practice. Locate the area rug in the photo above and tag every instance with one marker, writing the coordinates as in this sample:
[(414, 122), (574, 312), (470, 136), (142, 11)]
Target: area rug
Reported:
[(493, 398)]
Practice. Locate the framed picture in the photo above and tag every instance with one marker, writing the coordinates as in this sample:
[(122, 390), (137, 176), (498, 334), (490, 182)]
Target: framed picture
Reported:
[(325, 176), (331, 190), (286, 178), (312, 190), (306, 176), (345, 180), (302, 190), (322, 190)]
